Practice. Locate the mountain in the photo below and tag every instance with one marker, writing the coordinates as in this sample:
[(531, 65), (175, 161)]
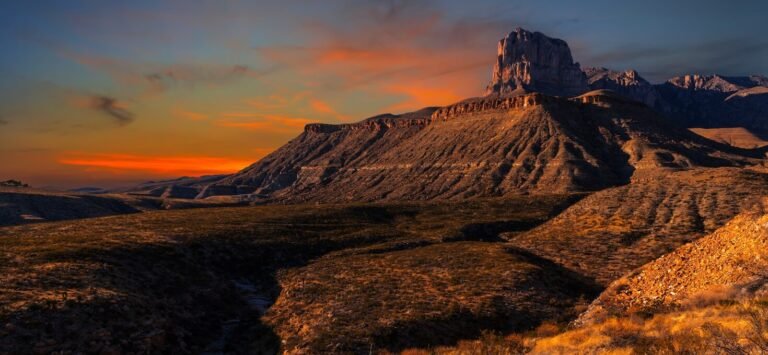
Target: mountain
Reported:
[(695, 101), (532, 62), (183, 187), (21, 205), (489, 146), (712, 101), (627, 83)]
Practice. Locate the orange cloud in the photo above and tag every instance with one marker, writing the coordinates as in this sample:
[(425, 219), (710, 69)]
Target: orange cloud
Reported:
[(189, 115), (321, 106), (269, 123), (289, 121), (421, 95), (159, 165), (419, 74), (258, 125), (240, 115)]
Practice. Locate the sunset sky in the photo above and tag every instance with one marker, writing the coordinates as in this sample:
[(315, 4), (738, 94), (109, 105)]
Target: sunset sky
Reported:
[(109, 93)]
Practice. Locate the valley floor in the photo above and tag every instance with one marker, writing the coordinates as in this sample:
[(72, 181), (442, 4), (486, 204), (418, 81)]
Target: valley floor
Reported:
[(484, 276), (343, 278)]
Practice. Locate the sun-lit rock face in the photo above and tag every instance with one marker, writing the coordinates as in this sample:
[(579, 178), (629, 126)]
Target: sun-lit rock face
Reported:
[(530, 61)]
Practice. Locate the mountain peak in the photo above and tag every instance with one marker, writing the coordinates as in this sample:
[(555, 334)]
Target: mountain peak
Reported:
[(531, 61)]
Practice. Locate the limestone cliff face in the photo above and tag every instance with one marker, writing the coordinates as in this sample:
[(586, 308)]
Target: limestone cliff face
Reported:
[(530, 61)]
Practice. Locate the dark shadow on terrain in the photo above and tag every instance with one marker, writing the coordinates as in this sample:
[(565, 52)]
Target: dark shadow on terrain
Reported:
[(502, 318), (400, 246), (489, 232), (56, 208), (169, 296), (574, 281), (180, 294), (447, 331)]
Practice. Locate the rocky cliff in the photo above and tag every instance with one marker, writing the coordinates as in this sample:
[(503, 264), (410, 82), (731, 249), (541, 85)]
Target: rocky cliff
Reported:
[(530, 61)]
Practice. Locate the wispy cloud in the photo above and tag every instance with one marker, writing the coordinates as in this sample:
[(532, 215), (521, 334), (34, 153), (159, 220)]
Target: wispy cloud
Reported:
[(386, 47), (154, 78), (275, 124), (112, 108)]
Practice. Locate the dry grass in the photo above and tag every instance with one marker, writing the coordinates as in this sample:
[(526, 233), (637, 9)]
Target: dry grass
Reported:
[(420, 297), (729, 327), (155, 281)]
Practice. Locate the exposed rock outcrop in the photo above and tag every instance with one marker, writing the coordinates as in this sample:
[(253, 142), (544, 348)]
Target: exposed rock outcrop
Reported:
[(530, 61)]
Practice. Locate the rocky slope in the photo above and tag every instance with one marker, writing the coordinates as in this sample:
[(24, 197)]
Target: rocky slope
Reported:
[(736, 136), (531, 61), (491, 146), (730, 261), (183, 187), (611, 232)]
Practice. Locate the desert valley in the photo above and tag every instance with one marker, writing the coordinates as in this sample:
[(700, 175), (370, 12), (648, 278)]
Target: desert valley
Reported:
[(565, 210)]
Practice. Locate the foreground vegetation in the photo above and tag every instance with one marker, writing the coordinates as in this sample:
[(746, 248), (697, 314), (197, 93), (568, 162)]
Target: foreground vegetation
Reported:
[(719, 326), (201, 280)]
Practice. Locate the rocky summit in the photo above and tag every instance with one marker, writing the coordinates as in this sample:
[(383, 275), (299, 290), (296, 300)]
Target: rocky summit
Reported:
[(530, 61)]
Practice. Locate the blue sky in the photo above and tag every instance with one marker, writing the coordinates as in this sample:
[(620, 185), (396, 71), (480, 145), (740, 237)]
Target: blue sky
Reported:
[(118, 83)]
